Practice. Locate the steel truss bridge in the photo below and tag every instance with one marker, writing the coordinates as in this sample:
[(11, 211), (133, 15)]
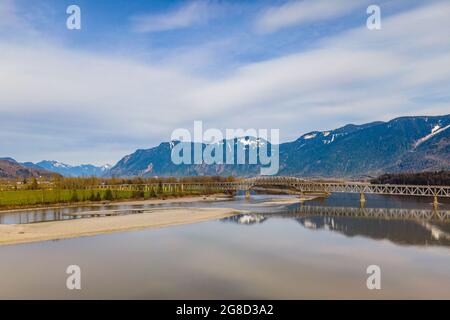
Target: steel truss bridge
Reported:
[(302, 186)]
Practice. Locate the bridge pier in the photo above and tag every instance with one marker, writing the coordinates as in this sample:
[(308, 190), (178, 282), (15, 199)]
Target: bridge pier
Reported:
[(435, 203), (302, 198), (362, 200), (247, 194)]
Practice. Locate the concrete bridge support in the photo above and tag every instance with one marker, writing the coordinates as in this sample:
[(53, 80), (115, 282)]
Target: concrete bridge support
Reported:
[(435, 203), (247, 194), (362, 200), (302, 197)]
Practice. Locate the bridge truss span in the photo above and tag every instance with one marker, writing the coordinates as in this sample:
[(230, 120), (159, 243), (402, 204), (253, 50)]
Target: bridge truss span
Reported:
[(298, 184), (351, 187)]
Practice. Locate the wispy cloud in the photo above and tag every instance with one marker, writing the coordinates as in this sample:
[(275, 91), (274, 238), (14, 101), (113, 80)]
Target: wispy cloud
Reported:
[(191, 14), (63, 103), (303, 11)]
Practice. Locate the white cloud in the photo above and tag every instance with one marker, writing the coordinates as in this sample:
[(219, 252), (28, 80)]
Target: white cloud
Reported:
[(360, 76), (76, 102), (191, 14), (303, 11)]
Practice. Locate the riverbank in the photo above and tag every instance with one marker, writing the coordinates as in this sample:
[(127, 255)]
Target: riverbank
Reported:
[(155, 201), (149, 218)]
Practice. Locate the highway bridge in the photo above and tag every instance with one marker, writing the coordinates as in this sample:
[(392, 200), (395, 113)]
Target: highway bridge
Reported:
[(302, 186)]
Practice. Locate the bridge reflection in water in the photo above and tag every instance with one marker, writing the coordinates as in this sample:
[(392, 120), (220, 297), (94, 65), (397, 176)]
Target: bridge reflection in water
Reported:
[(418, 227), (381, 213)]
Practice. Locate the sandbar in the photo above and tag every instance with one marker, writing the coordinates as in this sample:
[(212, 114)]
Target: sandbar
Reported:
[(82, 227)]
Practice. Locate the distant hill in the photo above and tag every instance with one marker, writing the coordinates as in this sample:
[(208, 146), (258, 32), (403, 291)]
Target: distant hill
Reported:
[(11, 169), (85, 170), (406, 144)]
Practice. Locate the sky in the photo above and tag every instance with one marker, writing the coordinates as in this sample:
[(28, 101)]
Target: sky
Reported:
[(138, 70)]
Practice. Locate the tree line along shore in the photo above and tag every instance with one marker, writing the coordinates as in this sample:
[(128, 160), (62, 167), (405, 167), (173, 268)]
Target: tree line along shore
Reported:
[(432, 178), (59, 190)]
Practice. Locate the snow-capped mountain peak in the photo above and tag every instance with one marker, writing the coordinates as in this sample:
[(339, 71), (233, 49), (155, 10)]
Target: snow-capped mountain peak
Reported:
[(74, 171)]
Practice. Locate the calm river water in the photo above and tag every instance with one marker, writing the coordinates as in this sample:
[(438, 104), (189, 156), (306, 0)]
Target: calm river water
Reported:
[(319, 250)]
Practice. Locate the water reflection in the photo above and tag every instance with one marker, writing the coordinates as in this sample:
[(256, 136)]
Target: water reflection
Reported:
[(419, 227), (406, 221), (66, 213), (403, 232), (63, 213), (320, 250), (378, 213), (250, 218)]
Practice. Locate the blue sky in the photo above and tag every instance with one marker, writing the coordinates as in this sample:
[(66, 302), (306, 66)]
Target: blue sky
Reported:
[(137, 70)]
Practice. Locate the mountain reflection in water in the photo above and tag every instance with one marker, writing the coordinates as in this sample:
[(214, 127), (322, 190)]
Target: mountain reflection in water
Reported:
[(419, 227)]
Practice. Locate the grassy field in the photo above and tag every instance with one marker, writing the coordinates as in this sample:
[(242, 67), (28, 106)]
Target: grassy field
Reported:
[(15, 198)]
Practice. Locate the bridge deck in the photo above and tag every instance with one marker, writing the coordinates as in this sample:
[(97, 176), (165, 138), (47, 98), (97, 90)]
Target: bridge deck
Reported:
[(298, 184)]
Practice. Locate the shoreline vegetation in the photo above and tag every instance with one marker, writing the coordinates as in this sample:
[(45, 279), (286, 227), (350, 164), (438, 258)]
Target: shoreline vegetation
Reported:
[(436, 178), (163, 198), (132, 201), (69, 191)]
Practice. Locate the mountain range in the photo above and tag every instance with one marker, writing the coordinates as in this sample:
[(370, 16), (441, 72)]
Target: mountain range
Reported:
[(10, 168), (405, 144), (84, 170)]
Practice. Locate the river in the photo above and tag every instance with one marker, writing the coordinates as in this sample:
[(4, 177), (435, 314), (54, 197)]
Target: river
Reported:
[(320, 249)]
